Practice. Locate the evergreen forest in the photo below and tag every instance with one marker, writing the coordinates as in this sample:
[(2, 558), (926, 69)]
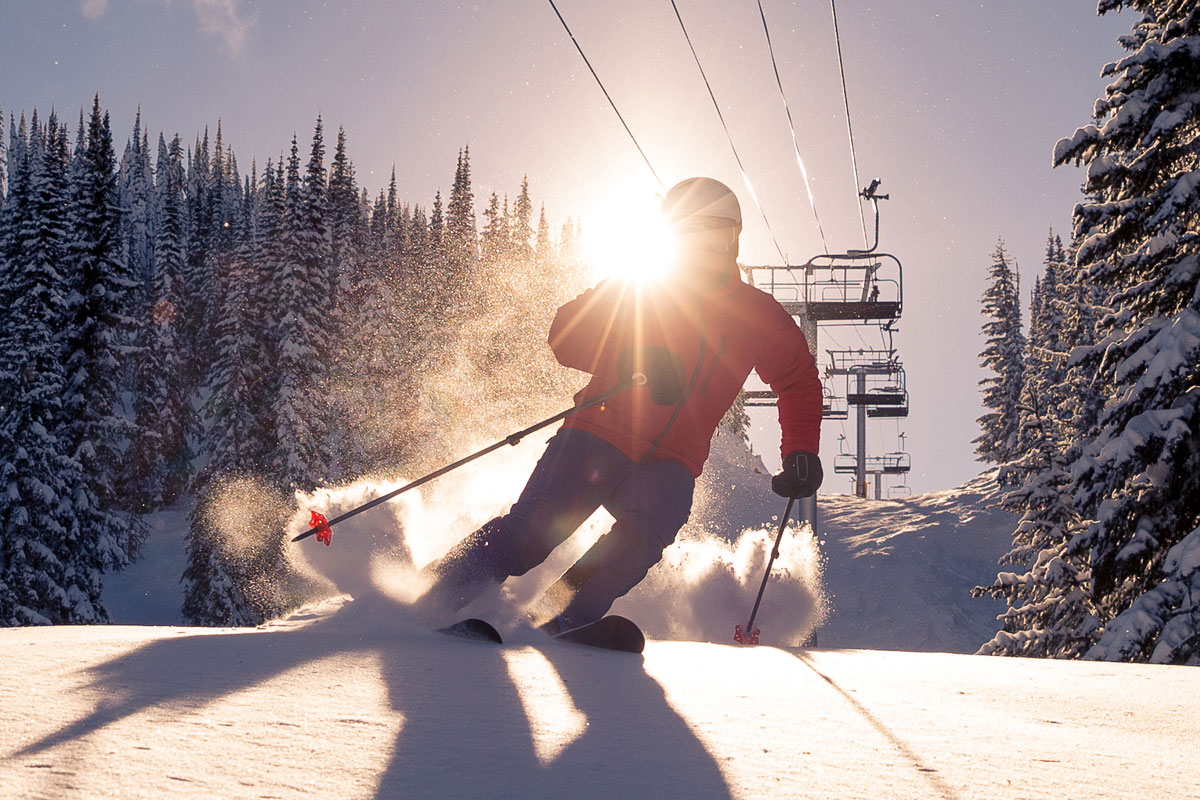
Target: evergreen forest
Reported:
[(181, 328)]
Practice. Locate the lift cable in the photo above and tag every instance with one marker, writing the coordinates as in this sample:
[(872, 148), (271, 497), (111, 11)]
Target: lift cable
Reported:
[(792, 127), (737, 158), (849, 128), (721, 116), (606, 95)]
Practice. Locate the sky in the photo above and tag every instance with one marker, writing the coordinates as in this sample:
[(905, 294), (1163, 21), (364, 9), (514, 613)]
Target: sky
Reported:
[(955, 106)]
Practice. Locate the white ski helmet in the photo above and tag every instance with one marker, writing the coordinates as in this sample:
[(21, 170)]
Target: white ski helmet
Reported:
[(702, 203)]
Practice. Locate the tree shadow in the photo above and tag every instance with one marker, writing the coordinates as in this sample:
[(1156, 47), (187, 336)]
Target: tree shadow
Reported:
[(465, 730)]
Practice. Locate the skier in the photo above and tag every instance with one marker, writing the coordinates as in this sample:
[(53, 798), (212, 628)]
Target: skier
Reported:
[(695, 338)]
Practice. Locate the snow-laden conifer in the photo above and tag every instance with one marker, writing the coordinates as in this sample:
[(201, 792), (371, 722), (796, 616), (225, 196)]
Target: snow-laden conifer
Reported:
[(195, 283), (345, 219), (229, 552), (1138, 476), (3, 162), (164, 408), (1004, 357), (460, 242), (1049, 605), (302, 458), (522, 228), (136, 200), (100, 292), (53, 552)]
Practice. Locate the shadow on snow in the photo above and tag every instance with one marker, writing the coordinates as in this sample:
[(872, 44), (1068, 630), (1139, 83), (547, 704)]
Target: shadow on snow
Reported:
[(463, 716)]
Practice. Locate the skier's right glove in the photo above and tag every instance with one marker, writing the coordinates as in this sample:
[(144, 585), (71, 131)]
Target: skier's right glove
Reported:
[(665, 377), (801, 475)]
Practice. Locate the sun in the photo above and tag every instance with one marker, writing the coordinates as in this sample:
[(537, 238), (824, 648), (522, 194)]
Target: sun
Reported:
[(625, 237)]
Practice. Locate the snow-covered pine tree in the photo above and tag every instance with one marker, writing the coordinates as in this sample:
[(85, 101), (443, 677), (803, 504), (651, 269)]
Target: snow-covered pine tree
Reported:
[(569, 240), (3, 160), (1004, 356), (522, 228), (159, 459), (345, 219), (543, 248), (270, 219), (137, 205), (3, 164), (302, 458), (232, 553), (44, 577), (136, 198), (400, 239), (437, 223), (18, 141), (225, 198), (1138, 477), (1049, 606), (418, 235), (357, 284), (494, 264), (494, 238), (100, 291), (509, 230), (371, 309), (1045, 363), (195, 292), (1082, 394), (460, 241), (515, 301)]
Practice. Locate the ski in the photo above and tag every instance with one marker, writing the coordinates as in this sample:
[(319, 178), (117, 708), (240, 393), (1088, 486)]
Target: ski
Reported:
[(475, 629), (609, 633)]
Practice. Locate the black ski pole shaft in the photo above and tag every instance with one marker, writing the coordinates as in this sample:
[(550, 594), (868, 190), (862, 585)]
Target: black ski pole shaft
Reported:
[(513, 439), (767, 574)]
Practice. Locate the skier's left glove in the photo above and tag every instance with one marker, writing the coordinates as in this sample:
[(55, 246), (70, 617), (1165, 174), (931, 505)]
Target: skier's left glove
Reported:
[(801, 475)]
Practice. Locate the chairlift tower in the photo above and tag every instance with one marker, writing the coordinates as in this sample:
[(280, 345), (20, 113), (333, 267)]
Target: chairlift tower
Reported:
[(857, 287), (876, 388)]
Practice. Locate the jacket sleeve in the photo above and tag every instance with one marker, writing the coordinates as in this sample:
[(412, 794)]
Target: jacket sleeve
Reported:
[(787, 366), (584, 332)]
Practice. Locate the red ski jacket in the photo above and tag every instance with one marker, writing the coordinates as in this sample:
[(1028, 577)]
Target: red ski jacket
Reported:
[(719, 333)]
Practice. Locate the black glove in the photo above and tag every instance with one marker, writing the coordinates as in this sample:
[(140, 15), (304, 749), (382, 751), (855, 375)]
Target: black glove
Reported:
[(663, 369), (801, 475)]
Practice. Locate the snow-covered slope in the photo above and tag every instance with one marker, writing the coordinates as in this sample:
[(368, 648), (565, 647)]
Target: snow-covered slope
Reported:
[(880, 574), (352, 698), (900, 572), (355, 704)]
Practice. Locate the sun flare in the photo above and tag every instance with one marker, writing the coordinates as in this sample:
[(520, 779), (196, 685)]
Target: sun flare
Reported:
[(626, 237)]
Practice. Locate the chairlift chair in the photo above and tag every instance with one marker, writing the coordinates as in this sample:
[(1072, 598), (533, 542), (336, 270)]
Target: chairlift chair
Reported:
[(845, 463), (897, 463), (832, 406), (756, 398)]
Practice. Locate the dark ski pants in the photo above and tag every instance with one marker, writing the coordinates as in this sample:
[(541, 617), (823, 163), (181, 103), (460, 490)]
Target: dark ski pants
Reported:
[(578, 473)]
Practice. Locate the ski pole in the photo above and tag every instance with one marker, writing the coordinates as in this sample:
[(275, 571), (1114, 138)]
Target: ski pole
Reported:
[(749, 634), (320, 526)]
